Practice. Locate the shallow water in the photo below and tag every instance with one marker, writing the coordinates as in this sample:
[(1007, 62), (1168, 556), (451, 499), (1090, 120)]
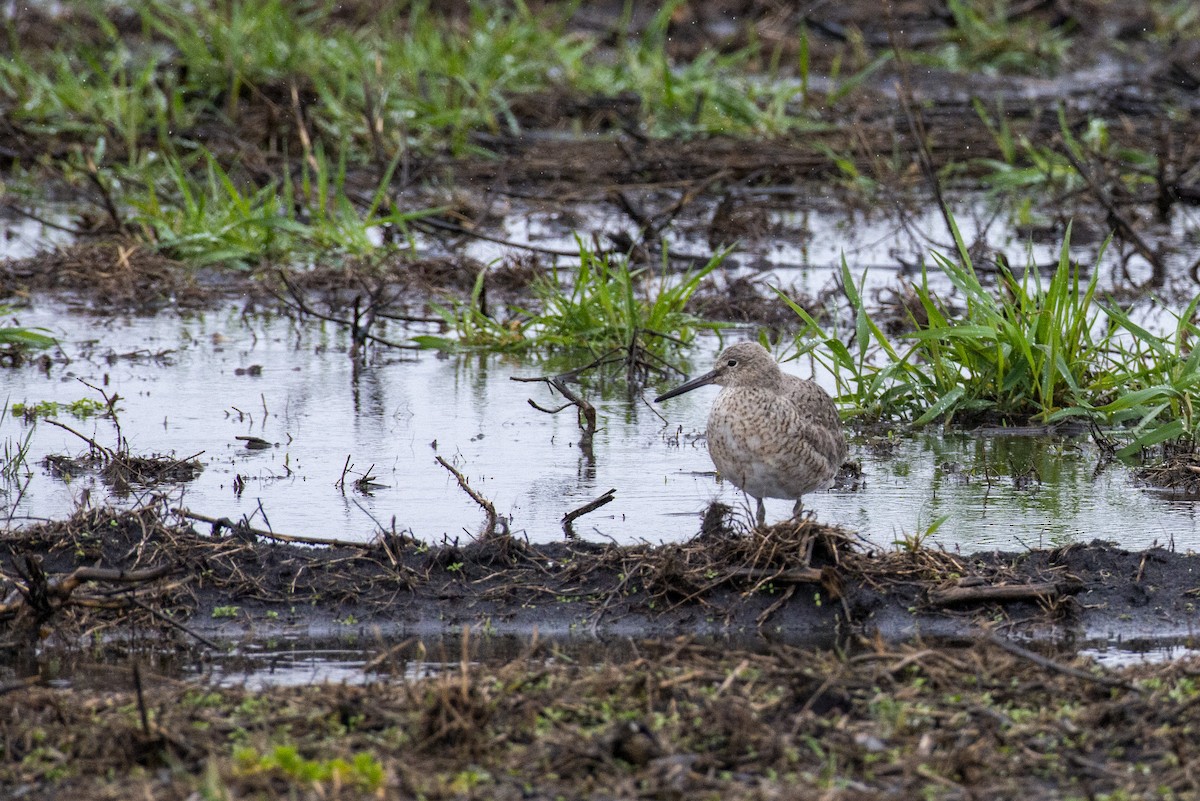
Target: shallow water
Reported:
[(395, 417)]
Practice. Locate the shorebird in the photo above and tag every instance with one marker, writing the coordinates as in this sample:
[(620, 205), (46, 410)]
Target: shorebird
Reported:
[(771, 434)]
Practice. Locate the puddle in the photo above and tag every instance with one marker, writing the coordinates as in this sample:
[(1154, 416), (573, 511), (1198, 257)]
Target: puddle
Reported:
[(262, 665), (304, 662), (258, 668), (1119, 654), (396, 417)]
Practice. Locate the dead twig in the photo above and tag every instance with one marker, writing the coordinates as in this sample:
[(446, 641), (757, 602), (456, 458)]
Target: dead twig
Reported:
[(172, 622), (44, 595), (483, 502), (106, 195), (243, 528), (359, 326), (1117, 219), (1057, 667), (587, 412), (591, 506), (107, 453), (996, 593)]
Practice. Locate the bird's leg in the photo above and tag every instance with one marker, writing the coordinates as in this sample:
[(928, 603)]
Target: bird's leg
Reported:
[(797, 509), (762, 513)]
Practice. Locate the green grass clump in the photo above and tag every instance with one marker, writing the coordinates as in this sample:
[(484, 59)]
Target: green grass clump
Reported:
[(714, 93), (1034, 169), (605, 305), (196, 212), (1026, 350), (415, 78), (986, 36), (1158, 389)]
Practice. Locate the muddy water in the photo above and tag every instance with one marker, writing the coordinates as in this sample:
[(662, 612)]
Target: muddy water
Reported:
[(184, 390)]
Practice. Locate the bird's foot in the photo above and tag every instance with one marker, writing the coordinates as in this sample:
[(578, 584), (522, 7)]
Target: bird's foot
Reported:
[(800, 514)]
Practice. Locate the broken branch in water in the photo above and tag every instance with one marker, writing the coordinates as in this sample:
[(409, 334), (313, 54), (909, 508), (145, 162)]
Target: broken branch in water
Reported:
[(483, 502), (591, 506), (587, 412)]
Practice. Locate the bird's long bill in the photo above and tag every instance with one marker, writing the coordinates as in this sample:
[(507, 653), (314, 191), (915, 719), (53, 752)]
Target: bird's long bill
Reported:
[(688, 386)]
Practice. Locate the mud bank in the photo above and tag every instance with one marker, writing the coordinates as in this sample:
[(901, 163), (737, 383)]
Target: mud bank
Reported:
[(154, 570)]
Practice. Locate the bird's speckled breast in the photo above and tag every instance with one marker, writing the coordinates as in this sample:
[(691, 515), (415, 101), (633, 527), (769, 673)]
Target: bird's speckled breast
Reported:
[(770, 446)]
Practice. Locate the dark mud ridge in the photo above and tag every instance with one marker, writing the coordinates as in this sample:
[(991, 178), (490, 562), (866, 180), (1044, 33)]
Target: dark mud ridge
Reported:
[(104, 570)]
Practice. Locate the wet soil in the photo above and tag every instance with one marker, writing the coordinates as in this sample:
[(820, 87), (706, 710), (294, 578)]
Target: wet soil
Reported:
[(911, 132), (830, 699), (676, 721), (152, 571)]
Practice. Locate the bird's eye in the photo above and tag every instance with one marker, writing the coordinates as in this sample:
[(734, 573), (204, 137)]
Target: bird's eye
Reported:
[(731, 363)]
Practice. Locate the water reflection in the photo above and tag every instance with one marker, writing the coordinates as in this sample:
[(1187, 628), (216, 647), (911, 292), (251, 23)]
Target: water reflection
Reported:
[(994, 491)]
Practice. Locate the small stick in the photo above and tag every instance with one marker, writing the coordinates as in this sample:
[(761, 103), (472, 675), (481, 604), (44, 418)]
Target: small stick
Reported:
[(1003, 592), (591, 506), (1058, 667), (304, 308), (176, 624), (796, 575), (96, 445), (1115, 216), (587, 412), (111, 402), (218, 522), (483, 502), (141, 698), (341, 482), (770, 610)]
